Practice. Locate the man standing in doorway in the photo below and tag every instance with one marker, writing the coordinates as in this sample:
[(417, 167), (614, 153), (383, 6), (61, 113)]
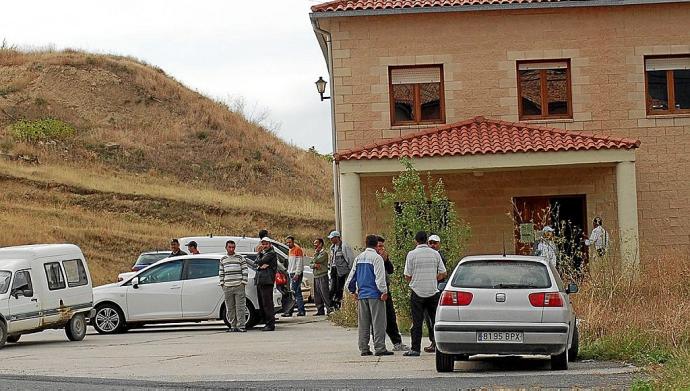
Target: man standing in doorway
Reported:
[(391, 319), (175, 249), (193, 248), (599, 238), (295, 272), (423, 269), (341, 264), (367, 283), (319, 265), (233, 273), (267, 264), (434, 243), (547, 247)]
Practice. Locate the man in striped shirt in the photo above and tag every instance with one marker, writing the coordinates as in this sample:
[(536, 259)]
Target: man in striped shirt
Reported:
[(233, 273)]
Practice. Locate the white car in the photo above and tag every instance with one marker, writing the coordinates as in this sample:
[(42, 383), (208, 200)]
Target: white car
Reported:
[(179, 289), (505, 305)]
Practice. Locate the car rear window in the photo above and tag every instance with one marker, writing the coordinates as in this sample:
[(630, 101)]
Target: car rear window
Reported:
[(502, 274), (202, 268), (149, 259)]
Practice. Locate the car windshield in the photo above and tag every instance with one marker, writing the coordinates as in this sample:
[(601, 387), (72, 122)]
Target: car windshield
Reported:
[(150, 259), (502, 274), (4, 281)]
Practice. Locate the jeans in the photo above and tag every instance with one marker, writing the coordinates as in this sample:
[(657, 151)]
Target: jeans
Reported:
[(235, 305), (420, 307), (322, 295), (296, 287)]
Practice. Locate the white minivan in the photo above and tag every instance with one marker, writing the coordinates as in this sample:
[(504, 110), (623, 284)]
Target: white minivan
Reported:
[(45, 286)]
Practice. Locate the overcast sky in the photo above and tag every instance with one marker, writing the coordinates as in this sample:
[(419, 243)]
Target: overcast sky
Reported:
[(262, 50)]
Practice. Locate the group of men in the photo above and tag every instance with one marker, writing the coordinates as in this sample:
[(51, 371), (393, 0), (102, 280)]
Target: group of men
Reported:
[(547, 247)]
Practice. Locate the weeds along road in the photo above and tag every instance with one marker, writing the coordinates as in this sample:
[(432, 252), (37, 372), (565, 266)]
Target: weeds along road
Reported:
[(307, 353)]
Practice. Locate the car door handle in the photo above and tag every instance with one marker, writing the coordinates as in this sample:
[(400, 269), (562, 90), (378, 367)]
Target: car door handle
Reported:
[(176, 287), (34, 299)]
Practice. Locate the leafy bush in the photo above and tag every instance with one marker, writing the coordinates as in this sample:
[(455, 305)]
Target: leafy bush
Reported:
[(40, 130)]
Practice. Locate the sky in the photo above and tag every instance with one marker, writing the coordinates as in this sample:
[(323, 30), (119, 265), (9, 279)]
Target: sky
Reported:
[(261, 50)]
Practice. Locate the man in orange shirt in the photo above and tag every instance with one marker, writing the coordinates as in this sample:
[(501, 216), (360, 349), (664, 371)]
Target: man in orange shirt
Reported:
[(295, 270)]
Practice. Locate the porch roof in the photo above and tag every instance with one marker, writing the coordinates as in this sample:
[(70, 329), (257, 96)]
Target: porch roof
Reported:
[(481, 136)]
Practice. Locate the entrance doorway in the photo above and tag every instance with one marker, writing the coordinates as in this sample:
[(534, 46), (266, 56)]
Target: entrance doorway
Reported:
[(567, 214)]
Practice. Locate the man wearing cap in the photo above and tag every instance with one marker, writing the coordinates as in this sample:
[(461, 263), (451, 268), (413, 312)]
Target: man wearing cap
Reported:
[(435, 243), (192, 247), (267, 264), (547, 247), (342, 258), (175, 249)]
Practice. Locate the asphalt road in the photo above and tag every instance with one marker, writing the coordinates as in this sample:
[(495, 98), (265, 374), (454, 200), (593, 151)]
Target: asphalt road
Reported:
[(304, 353)]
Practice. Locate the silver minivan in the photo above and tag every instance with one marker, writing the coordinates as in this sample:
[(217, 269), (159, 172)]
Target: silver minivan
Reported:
[(505, 305)]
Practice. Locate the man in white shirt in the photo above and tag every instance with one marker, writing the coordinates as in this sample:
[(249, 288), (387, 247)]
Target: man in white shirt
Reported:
[(547, 248), (423, 269), (599, 237)]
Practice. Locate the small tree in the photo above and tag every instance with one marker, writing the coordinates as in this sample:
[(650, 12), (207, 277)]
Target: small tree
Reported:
[(415, 206)]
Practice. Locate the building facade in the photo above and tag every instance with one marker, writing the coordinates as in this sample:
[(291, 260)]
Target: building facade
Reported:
[(584, 105)]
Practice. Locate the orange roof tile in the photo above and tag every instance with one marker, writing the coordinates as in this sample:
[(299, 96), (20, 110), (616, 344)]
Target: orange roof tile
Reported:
[(480, 136), (357, 5)]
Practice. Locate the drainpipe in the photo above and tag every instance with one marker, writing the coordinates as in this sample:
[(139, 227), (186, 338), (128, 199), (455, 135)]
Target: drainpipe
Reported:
[(326, 36)]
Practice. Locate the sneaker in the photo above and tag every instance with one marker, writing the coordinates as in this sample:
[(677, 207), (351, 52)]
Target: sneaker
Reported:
[(400, 347), (411, 353), (431, 348), (366, 353), (301, 314), (384, 353), (230, 330), (286, 315), (268, 328), (241, 330)]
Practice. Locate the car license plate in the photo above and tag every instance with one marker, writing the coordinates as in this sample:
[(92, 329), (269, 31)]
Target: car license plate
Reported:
[(500, 336)]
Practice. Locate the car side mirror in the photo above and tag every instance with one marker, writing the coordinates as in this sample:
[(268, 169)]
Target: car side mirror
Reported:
[(28, 292), (135, 282), (572, 288), (442, 286)]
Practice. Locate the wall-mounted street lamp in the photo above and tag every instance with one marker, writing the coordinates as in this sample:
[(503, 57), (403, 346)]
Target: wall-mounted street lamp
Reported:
[(321, 88)]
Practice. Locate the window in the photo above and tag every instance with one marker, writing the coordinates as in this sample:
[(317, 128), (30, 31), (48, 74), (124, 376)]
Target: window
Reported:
[(544, 89), (22, 281), (202, 268), (416, 95), (166, 272), (668, 84), (4, 281), (502, 275), (54, 275), (150, 259), (76, 273)]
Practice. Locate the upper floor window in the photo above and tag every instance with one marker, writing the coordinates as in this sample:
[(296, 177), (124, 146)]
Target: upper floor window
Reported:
[(416, 95), (544, 89), (668, 84)]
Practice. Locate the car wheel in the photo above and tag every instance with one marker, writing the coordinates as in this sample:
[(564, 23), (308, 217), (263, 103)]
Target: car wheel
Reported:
[(13, 338), (76, 328), (559, 362), (444, 362), (575, 346), (108, 319), (3, 334), (251, 317), (462, 357)]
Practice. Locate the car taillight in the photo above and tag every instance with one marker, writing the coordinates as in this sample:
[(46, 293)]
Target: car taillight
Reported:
[(546, 299), (452, 298)]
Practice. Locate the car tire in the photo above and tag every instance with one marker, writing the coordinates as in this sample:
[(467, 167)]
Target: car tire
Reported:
[(3, 334), (575, 346), (108, 319), (444, 362), (76, 327), (559, 362), (13, 338), (462, 357), (252, 317)]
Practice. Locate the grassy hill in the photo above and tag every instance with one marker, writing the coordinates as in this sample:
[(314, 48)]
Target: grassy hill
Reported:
[(117, 157)]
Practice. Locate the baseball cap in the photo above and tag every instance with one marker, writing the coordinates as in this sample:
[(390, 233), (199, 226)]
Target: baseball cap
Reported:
[(434, 238), (265, 239), (192, 243), (334, 234)]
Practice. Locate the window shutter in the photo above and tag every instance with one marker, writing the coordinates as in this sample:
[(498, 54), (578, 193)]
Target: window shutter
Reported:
[(530, 66), (415, 75), (667, 64)]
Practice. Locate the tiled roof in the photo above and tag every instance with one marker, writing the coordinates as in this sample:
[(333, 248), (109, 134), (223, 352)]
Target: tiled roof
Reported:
[(357, 5), (480, 136)]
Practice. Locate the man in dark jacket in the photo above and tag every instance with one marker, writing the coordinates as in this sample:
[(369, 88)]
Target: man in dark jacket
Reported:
[(175, 249), (391, 320), (267, 264)]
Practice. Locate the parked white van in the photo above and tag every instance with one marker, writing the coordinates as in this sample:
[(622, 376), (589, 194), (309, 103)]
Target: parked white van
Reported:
[(45, 286)]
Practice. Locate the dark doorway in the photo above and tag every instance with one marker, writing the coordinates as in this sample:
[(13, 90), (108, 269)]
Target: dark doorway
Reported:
[(567, 214)]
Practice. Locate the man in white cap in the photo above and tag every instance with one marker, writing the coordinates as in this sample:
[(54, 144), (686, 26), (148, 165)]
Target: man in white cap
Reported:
[(435, 243), (547, 248), (342, 258)]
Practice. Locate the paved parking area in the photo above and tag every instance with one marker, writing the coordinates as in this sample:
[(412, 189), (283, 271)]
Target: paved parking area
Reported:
[(302, 352)]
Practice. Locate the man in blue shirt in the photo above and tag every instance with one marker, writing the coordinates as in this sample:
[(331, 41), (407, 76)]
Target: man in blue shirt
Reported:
[(367, 283)]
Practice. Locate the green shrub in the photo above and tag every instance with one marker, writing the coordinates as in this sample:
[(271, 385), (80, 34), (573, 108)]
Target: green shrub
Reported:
[(41, 130)]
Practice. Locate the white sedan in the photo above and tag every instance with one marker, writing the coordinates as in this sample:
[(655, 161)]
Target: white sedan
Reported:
[(180, 289)]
